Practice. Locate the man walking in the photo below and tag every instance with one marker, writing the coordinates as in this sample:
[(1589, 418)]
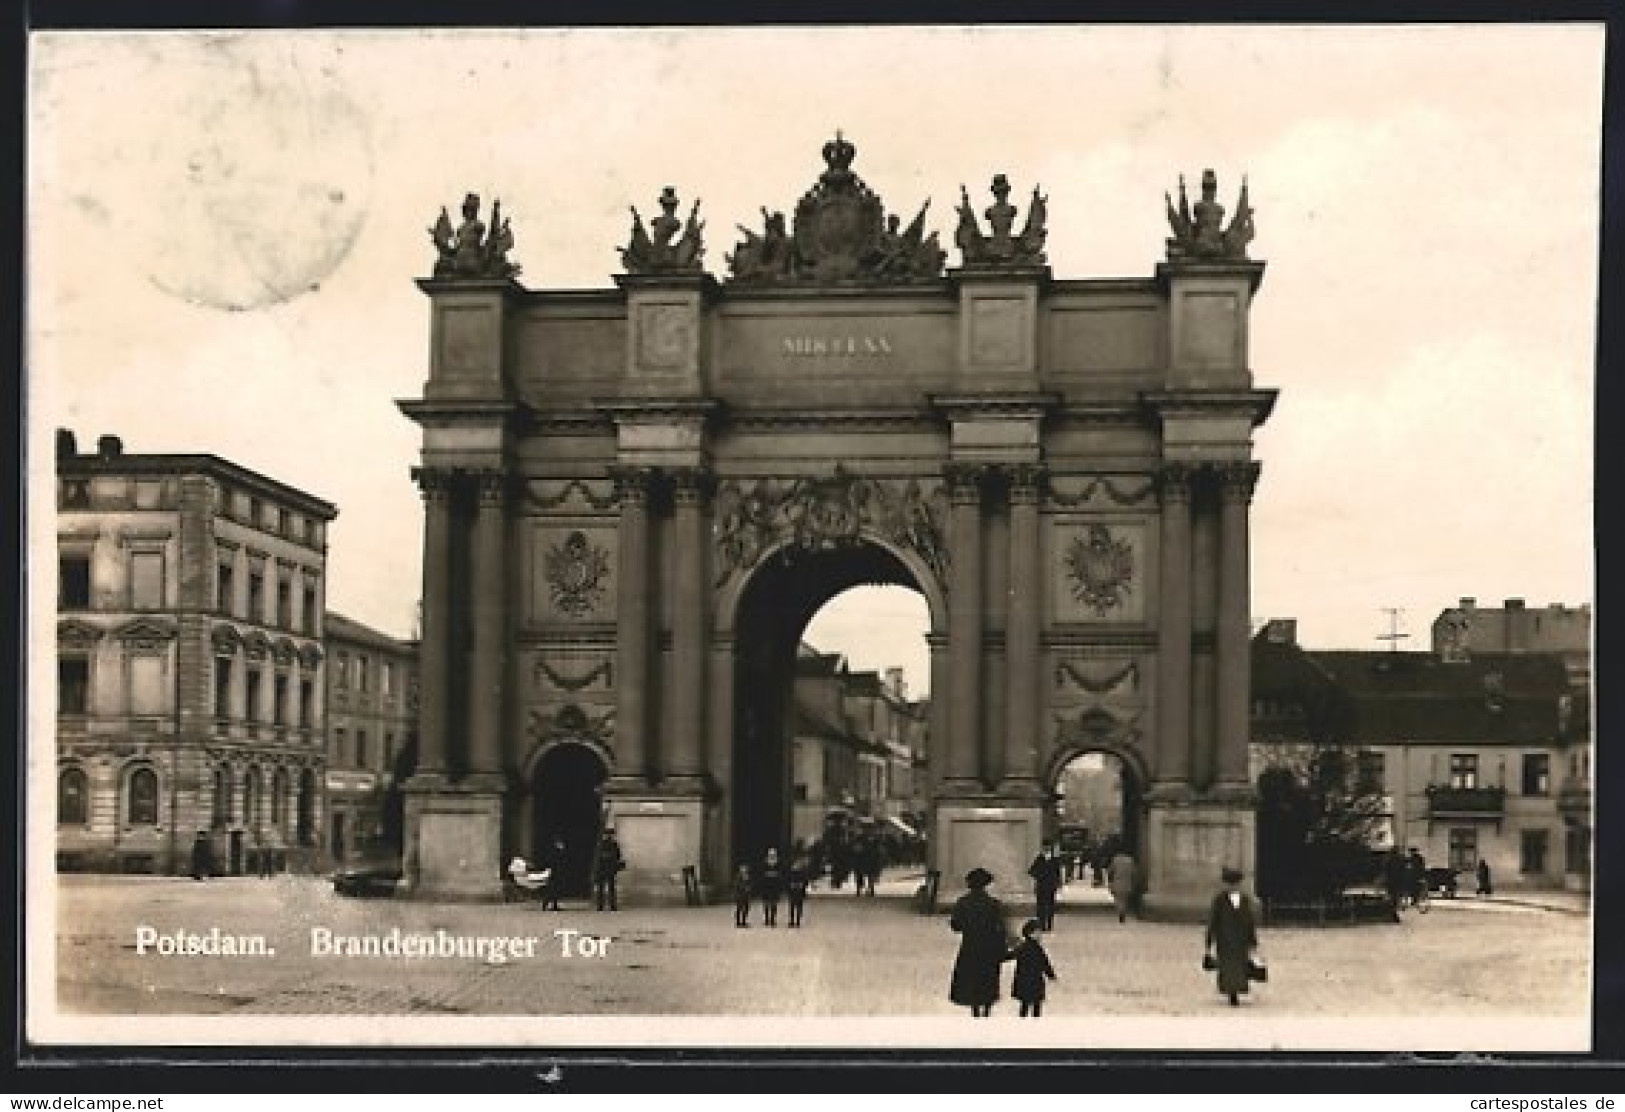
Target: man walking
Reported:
[(608, 865), (1046, 873)]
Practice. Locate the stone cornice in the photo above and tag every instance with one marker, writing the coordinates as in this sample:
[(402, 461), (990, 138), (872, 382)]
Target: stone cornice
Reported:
[(1033, 403), (442, 412), (689, 411), (509, 288), (1205, 403), (1250, 269)]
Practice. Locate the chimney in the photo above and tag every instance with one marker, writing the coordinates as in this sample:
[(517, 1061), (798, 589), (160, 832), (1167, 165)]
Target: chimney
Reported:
[(894, 682), (109, 447), (1517, 626), (66, 445), (1467, 604)]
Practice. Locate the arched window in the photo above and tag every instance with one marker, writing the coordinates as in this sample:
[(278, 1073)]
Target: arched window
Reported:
[(251, 797), (142, 806), (73, 797), (306, 832), (279, 797)]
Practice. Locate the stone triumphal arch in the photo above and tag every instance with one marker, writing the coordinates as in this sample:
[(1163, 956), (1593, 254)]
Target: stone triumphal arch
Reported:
[(636, 497)]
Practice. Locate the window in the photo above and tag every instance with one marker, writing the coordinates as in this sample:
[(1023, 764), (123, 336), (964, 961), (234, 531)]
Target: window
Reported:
[(389, 750), (1577, 850), (1370, 773), (75, 494), (307, 693), (1463, 848), (361, 673), (251, 798), (256, 595), (256, 513), (222, 687), (222, 796), (281, 522), (340, 739), (341, 674), (146, 580), (1537, 774), (305, 816), (307, 616), (386, 679), (279, 701), (225, 588), (284, 602), (73, 685), (361, 748), (1464, 770), (279, 797), (73, 797), (252, 711), (73, 583), (147, 694), (1532, 851), (142, 807)]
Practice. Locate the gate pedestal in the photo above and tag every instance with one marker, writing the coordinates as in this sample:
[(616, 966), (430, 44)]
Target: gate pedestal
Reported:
[(453, 840), (1189, 838), (994, 833), (661, 832)]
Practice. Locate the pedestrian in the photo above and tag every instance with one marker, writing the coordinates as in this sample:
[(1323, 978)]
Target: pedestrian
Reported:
[(608, 866), (1418, 867), (1046, 873), (1123, 880), (796, 881), (1396, 880), (1485, 888), (742, 894), (1231, 946), (202, 857), (984, 944), (553, 868), (1032, 968), (866, 864), (770, 885)]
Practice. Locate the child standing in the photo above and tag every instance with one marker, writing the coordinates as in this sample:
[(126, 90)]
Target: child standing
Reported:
[(1032, 967), (742, 894)]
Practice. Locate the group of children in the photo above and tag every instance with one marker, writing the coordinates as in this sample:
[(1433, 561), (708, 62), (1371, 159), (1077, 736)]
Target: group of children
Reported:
[(771, 883)]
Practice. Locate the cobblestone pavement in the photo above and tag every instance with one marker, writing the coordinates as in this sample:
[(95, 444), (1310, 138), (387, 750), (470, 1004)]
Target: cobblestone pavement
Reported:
[(1467, 958)]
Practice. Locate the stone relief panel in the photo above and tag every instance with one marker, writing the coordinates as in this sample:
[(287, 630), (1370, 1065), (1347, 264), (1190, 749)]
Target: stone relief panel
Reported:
[(998, 331), (1099, 570), (753, 516), (572, 574), (666, 339)]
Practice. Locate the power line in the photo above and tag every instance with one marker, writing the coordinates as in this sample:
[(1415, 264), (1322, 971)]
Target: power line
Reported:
[(1393, 636)]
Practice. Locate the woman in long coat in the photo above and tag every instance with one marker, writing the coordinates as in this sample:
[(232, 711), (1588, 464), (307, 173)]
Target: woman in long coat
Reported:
[(984, 944), (1123, 877), (1232, 936)]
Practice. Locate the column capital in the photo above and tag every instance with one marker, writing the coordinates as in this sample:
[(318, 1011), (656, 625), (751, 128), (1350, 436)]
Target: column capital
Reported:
[(1025, 482), (1174, 482), (436, 483), (966, 481), (693, 486), (491, 486), (1237, 479), (633, 485)]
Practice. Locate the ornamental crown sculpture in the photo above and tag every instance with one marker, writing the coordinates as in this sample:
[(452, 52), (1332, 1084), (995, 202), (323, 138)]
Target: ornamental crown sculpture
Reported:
[(1200, 231), (467, 252)]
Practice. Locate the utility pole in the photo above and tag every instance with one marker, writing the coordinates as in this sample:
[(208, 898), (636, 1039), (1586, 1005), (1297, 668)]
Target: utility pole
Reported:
[(1393, 636)]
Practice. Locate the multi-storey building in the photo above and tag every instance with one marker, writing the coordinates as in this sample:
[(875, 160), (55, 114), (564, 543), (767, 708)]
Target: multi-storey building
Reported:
[(189, 662), (1513, 627), (371, 735), (1476, 756)]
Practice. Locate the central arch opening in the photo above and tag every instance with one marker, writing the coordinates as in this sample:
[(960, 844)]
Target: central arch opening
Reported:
[(788, 772), (567, 813)]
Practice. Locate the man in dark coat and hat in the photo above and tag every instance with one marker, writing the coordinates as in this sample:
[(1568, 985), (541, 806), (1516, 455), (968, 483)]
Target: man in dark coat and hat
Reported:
[(984, 945), (1232, 937), (1046, 873)]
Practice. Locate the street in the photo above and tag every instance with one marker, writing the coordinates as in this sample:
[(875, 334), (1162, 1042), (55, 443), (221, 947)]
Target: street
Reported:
[(1467, 958)]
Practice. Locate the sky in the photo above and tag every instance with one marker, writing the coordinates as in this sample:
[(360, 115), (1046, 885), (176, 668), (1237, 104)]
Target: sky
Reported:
[(224, 229)]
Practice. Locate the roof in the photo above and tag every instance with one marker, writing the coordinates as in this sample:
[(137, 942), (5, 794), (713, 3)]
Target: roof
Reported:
[(126, 463), (337, 627)]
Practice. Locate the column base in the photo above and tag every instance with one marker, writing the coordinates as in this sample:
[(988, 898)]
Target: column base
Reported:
[(991, 831), (1189, 839), (453, 842), (661, 832)]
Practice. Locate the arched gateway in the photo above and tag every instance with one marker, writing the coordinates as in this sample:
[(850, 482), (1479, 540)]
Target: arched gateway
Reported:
[(636, 498)]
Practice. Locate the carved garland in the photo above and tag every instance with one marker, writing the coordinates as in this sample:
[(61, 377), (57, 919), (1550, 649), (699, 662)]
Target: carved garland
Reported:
[(1121, 495), (1065, 671), (604, 670)]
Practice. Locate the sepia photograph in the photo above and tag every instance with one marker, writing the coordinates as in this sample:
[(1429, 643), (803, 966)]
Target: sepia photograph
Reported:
[(808, 537)]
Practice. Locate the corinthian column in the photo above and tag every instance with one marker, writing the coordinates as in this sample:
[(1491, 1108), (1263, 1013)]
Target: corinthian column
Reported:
[(690, 643), (488, 583), (632, 626), (1022, 690), (435, 656), (965, 625), (1173, 749), (1234, 625)]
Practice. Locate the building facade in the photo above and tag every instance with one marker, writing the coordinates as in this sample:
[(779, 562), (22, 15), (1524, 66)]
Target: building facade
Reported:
[(190, 602), (371, 736), (1482, 756), (636, 497)]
